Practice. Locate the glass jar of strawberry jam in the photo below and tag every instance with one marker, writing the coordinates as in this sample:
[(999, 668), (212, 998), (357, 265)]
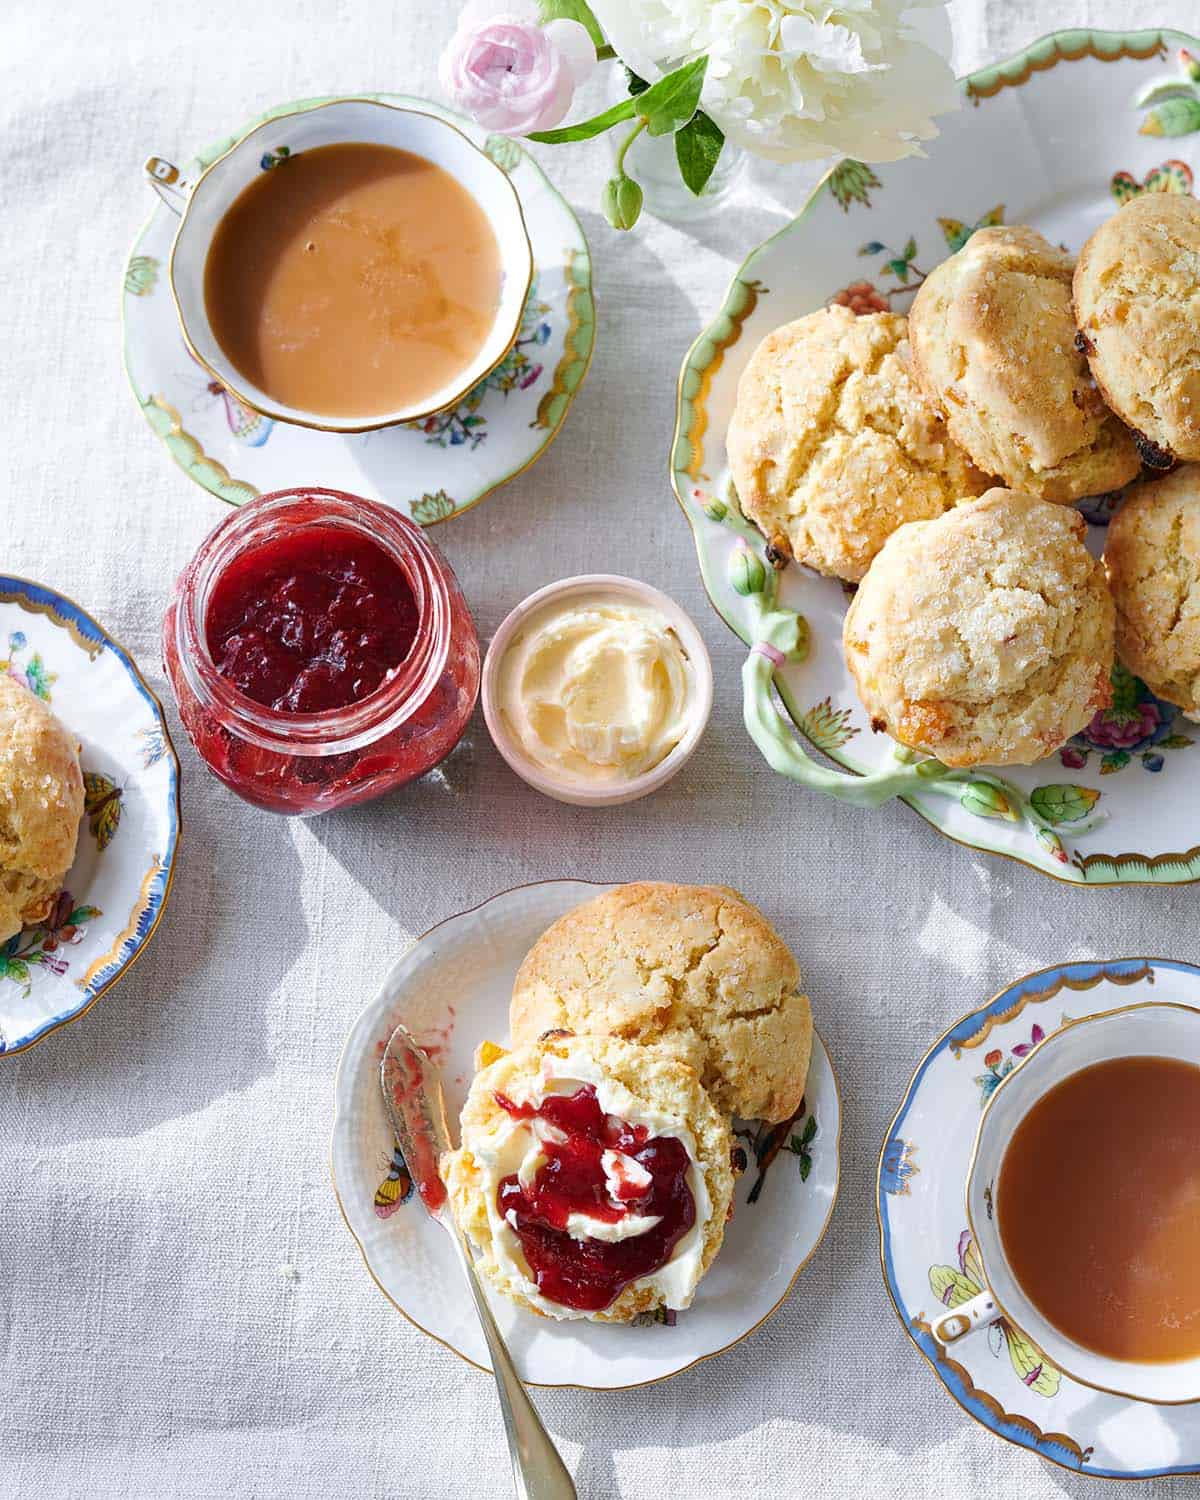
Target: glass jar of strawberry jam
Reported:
[(321, 651)]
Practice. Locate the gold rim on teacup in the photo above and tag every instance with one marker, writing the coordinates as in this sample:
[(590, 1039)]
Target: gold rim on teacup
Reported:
[(500, 204), (1058, 1055)]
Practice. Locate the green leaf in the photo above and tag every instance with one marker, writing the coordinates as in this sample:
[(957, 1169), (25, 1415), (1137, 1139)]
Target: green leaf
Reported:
[(1114, 760), (805, 1167), (810, 1130), (671, 102), (636, 85), (586, 129), (796, 1145), (910, 250), (1176, 742), (431, 508), (850, 182), (1173, 117), (15, 968), (1060, 802), (82, 914), (571, 10), (697, 147), (1165, 88), (899, 269)]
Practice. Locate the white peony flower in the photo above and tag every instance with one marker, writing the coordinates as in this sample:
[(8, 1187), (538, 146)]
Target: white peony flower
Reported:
[(799, 80)]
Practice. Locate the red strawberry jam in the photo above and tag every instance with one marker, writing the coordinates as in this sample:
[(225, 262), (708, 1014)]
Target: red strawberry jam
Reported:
[(588, 1275), (311, 620), (320, 650)]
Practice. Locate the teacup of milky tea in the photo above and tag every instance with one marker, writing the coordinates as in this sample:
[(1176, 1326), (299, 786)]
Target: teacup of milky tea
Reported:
[(1083, 1198), (349, 265)]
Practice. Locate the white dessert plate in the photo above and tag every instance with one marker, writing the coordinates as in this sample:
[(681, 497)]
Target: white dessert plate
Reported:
[(929, 1259), (114, 894), (429, 470), (1055, 137), (452, 989)]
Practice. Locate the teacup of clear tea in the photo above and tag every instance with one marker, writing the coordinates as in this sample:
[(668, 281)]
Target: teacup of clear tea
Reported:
[(348, 265), (1083, 1198)]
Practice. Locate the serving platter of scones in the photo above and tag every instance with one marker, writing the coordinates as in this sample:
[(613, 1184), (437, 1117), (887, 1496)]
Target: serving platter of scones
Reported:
[(648, 1128), (940, 452), (89, 812)]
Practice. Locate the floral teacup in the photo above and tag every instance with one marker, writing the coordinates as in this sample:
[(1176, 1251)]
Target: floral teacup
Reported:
[(1151, 1029), (203, 204)]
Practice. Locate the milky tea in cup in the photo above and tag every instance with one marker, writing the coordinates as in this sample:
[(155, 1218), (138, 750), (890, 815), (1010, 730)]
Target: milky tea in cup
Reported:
[(1083, 1198)]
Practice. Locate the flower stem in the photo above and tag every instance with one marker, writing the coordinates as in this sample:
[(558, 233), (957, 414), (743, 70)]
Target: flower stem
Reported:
[(627, 142)]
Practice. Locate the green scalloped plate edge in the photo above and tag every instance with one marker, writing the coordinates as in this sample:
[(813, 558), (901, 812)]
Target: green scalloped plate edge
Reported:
[(1181, 868), (569, 376)]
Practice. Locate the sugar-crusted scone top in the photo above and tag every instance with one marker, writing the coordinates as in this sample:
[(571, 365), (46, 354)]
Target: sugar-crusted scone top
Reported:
[(639, 1086), (693, 969), (1137, 299), (41, 803), (831, 446), (993, 341), (1152, 554), (986, 636)]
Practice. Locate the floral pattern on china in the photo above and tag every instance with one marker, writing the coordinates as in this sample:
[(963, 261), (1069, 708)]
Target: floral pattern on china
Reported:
[(930, 1262), (1072, 815), (115, 893)]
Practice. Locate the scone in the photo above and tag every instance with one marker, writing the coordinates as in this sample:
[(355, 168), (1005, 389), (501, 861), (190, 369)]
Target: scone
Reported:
[(1137, 302), (41, 804), (984, 637), (594, 1176), (993, 344), (694, 969), (1153, 561), (832, 447)]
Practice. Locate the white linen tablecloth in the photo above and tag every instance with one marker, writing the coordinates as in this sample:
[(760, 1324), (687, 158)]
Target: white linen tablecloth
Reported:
[(182, 1311)]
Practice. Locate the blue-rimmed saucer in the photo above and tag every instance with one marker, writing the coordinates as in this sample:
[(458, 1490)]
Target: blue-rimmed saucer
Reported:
[(114, 894), (929, 1260)]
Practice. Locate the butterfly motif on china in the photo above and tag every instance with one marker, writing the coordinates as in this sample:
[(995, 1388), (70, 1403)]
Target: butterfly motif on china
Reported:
[(957, 233), (102, 807), (395, 1189), (246, 424), (954, 1285)]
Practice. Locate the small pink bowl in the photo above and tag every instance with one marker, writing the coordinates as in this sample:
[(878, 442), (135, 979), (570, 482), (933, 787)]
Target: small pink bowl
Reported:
[(564, 790)]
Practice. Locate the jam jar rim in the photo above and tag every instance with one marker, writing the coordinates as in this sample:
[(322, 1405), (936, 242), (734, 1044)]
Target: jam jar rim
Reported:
[(332, 731)]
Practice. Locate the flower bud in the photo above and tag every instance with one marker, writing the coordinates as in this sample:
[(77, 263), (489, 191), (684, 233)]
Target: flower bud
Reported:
[(622, 202)]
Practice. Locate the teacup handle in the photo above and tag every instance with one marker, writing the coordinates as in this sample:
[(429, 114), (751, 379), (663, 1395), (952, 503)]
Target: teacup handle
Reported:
[(967, 1317), (168, 182)]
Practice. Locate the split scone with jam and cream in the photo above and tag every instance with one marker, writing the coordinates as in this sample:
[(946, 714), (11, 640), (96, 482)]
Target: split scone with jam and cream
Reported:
[(693, 969), (594, 1177), (41, 805)]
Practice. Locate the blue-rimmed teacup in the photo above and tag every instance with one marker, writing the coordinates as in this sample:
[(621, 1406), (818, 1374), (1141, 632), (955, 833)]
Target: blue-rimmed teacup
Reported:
[(1149, 1029), (203, 204)]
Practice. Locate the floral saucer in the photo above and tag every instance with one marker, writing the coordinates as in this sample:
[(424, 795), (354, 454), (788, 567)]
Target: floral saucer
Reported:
[(115, 892), (452, 989), (929, 1260), (1067, 131), (430, 470)]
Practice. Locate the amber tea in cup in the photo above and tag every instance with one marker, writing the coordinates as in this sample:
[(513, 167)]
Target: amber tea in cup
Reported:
[(352, 278), (1098, 1203)]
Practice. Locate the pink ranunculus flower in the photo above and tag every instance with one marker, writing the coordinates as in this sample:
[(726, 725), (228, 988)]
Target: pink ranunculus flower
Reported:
[(510, 74)]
